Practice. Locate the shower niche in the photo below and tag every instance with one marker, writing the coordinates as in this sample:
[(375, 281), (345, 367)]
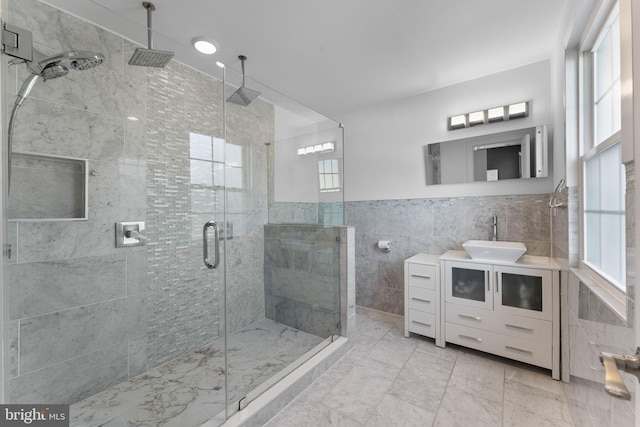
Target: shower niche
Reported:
[(47, 188)]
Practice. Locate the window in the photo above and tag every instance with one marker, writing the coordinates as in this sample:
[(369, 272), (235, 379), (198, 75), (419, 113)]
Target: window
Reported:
[(603, 175), (604, 223), (206, 158), (329, 175), (606, 72)]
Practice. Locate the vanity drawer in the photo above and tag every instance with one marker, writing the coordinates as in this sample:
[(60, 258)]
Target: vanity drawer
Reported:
[(540, 331), (525, 328), (526, 351), (422, 299), (468, 316), (469, 337), (423, 276), (422, 323), (534, 353)]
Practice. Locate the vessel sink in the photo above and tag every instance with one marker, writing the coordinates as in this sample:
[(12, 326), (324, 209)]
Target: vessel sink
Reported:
[(488, 250)]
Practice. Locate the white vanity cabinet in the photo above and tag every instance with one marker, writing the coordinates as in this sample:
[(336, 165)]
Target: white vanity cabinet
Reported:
[(511, 310), (422, 300)]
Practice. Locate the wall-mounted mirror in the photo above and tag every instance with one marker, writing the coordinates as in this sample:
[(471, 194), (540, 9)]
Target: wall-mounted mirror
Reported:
[(518, 154)]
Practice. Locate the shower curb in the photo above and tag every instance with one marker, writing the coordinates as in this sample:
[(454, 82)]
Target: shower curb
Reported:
[(262, 409)]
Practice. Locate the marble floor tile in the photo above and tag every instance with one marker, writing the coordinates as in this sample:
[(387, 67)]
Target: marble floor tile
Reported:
[(376, 324), (461, 408), (544, 405), (391, 409), (361, 389), (427, 345), (479, 375), (393, 349), (312, 415), (422, 381), (435, 386), (189, 390), (385, 380), (534, 378)]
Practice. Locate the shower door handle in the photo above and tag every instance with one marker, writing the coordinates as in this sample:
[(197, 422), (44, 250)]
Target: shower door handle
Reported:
[(205, 244)]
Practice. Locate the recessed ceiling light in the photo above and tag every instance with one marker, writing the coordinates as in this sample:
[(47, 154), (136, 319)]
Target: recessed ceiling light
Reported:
[(220, 64), (204, 46), (133, 118)]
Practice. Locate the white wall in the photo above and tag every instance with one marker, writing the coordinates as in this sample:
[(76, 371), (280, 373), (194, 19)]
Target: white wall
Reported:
[(384, 144)]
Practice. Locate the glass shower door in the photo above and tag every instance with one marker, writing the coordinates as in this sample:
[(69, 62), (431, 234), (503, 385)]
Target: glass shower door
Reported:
[(125, 334)]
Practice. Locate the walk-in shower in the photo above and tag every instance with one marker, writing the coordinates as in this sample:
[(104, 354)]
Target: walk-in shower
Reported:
[(148, 334)]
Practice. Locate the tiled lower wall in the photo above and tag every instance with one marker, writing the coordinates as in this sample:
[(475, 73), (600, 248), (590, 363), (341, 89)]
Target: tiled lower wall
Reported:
[(434, 226)]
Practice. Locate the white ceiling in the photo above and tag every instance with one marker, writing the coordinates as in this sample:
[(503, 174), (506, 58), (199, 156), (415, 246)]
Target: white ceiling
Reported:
[(337, 56)]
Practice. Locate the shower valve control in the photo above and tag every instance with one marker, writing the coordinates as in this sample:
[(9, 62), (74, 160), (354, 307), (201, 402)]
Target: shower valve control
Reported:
[(130, 234)]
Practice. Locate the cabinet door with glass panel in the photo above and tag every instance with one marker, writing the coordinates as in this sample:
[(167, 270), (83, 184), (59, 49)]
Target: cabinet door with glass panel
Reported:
[(469, 284), (523, 291)]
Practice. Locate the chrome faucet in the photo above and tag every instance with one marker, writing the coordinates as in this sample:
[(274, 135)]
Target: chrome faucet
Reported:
[(495, 228), (613, 364)]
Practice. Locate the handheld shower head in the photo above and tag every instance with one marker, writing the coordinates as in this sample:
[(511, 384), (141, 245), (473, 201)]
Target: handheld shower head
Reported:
[(47, 68), (58, 65)]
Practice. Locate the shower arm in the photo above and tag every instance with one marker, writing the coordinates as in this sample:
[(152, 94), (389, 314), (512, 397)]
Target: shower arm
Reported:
[(150, 8)]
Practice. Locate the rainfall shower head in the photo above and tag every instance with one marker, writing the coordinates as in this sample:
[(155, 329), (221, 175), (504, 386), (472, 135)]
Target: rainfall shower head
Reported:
[(150, 57), (243, 96)]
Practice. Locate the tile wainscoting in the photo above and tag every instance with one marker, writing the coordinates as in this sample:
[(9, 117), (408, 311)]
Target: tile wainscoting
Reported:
[(434, 226)]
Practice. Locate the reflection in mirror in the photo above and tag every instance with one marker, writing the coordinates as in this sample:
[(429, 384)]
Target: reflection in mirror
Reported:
[(518, 154)]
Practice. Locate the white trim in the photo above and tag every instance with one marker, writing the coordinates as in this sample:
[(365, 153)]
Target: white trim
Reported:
[(604, 145), (612, 298)]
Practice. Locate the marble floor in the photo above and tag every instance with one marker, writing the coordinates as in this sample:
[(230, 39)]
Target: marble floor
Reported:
[(388, 380), (190, 389)]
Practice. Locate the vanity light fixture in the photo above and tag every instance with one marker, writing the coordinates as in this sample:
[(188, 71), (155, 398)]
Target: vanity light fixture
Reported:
[(476, 118), (491, 115), (458, 122), (495, 114), (204, 46), (326, 147), (518, 110)]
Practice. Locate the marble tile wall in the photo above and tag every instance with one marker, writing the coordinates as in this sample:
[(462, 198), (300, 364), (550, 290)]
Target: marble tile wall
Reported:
[(78, 306), (184, 306), (594, 327), (434, 226), (249, 128), (302, 277), (84, 314)]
